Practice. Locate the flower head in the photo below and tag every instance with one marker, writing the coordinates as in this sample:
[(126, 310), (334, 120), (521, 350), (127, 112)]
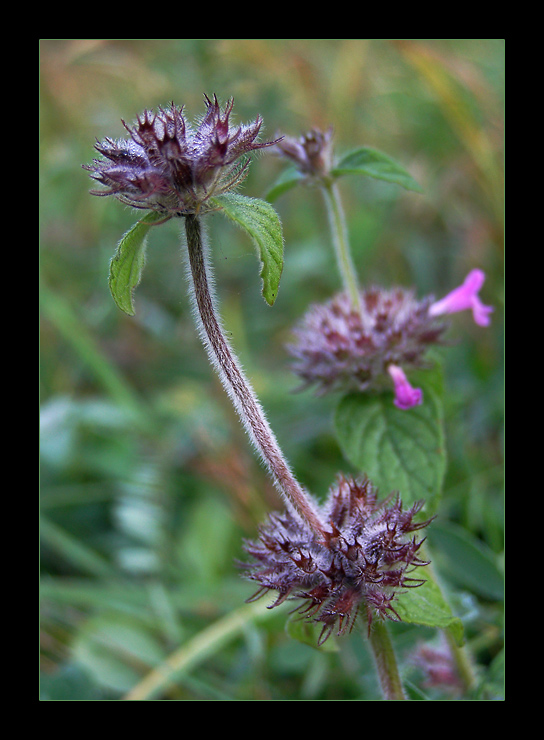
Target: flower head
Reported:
[(368, 557), (311, 153), (463, 297), (169, 166), (337, 347)]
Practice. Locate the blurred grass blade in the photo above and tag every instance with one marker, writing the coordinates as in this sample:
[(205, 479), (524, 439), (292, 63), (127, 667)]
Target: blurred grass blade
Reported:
[(200, 647), (73, 551), (452, 99), (64, 318), (91, 594), (114, 647)]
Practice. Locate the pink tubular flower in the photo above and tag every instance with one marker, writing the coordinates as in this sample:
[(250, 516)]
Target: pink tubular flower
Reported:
[(463, 297), (406, 395)]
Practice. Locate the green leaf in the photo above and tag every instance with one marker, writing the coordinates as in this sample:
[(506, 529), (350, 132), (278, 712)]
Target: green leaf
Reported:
[(288, 179), (128, 262), (376, 164), (398, 450), (259, 219), (466, 560), (426, 606)]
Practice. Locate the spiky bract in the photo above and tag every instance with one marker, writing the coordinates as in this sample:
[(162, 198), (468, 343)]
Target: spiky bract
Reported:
[(366, 558)]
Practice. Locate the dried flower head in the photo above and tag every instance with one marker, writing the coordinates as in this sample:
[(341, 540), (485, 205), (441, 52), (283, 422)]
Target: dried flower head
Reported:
[(365, 560), (338, 347), (171, 167), (311, 153)]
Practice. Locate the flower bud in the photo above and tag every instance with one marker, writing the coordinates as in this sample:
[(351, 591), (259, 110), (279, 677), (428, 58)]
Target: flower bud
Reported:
[(311, 153)]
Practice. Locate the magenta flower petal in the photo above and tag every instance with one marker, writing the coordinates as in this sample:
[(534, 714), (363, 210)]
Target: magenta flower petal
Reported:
[(406, 395), (464, 297)]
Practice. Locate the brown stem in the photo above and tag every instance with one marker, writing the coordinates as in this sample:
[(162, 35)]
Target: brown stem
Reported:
[(236, 385)]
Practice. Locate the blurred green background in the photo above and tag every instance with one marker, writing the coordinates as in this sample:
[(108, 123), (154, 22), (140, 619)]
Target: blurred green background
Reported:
[(148, 485)]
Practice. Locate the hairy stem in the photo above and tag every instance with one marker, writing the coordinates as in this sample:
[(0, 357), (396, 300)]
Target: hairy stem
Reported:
[(386, 662), (339, 232), (235, 383)]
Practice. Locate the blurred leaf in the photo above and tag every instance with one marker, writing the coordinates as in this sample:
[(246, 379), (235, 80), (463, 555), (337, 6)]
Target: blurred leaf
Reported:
[(376, 164), (210, 523), (259, 219), (288, 179), (128, 262), (493, 684), (67, 322), (426, 606), (458, 109), (399, 450), (115, 648), (467, 560), (77, 554), (69, 683), (92, 594)]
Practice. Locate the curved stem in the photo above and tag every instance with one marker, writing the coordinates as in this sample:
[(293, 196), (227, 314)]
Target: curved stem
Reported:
[(339, 232), (235, 383)]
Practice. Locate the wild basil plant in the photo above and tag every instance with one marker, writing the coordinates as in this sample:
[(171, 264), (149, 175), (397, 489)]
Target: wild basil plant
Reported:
[(363, 340), (352, 557)]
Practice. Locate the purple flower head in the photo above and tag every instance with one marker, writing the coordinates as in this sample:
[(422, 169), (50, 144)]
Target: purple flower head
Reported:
[(369, 555), (339, 348), (171, 167), (463, 297), (406, 396)]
